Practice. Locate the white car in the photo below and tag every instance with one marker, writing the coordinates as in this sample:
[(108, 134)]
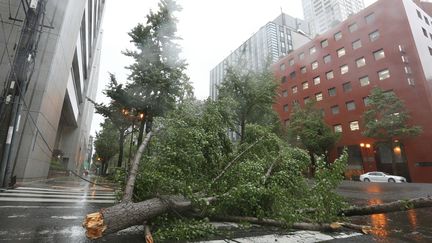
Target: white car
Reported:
[(376, 176)]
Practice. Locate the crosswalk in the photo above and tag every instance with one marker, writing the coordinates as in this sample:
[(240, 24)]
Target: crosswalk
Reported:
[(57, 195)]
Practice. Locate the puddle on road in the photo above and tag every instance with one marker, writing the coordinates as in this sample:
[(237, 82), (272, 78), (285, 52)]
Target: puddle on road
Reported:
[(408, 226)]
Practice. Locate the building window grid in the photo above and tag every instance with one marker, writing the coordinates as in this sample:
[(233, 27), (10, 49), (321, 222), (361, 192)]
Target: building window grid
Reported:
[(364, 81), (344, 69), (301, 56), (284, 93), (411, 81), (285, 108), (347, 87), (341, 52), (369, 18), (294, 89), (379, 54), (356, 44), (303, 69), (425, 33), (314, 65), (338, 36), (324, 43), (350, 105), (335, 109), (426, 20), (337, 128), (354, 126), (319, 96), (419, 14), (329, 75), (383, 74), (332, 91), (317, 80), (366, 101), (327, 58), (373, 36), (305, 85), (353, 27), (312, 50), (361, 62)]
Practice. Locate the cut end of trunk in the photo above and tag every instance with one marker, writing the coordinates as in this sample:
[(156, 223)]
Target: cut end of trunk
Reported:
[(94, 225)]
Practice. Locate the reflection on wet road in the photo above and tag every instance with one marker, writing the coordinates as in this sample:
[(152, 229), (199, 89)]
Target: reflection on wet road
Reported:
[(408, 226)]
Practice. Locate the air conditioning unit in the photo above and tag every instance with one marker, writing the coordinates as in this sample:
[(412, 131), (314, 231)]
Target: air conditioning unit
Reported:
[(33, 4)]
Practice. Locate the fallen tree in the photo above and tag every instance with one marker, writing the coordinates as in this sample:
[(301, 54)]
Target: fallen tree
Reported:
[(128, 214)]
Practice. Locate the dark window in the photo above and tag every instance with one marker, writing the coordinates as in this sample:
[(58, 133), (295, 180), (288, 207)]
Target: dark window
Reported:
[(327, 58), (284, 93), (306, 99), (423, 164), (430, 35), (324, 43), (285, 108), (347, 87), (374, 36), (283, 79), (425, 32), (430, 50), (332, 91), (426, 20), (353, 27), (338, 36), (419, 14), (293, 75), (335, 110), (350, 105), (366, 101), (356, 44), (301, 56), (355, 159), (369, 18)]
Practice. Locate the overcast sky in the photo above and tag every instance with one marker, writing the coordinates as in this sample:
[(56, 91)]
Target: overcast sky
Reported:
[(210, 30)]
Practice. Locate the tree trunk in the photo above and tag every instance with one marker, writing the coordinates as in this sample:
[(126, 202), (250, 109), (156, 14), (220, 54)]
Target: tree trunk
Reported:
[(401, 205), (134, 169), (394, 167), (242, 130), (121, 148), (141, 131), (127, 214), (312, 166)]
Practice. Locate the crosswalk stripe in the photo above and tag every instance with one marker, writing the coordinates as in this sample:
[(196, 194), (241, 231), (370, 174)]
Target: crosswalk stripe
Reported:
[(12, 194), (24, 199), (66, 189), (65, 193), (37, 195)]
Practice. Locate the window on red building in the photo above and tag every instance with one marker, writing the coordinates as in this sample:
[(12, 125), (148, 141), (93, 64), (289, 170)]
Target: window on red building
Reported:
[(338, 36), (285, 108), (347, 87), (327, 58), (319, 96), (314, 65), (337, 128), (283, 79), (356, 44), (341, 52), (305, 85), (284, 93), (303, 69), (364, 81), (312, 50), (350, 105), (324, 43), (294, 89), (366, 101), (344, 69), (354, 126), (369, 18), (335, 110), (384, 74), (332, 91), (317, 80), (374, 36), (379, 54), (360, 62), (329, 75), (301, 55), (353, 27)]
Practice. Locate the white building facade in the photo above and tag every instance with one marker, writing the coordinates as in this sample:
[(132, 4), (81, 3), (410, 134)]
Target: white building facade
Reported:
[(325, 14)]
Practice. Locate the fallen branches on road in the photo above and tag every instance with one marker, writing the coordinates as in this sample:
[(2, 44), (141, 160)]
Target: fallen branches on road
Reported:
[(400, 205)]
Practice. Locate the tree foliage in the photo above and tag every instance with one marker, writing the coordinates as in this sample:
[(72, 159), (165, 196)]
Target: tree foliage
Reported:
[(113, 112), (308, 129), (251, 94), (266, 181), (157, 75), (104, 147), (386, 120)]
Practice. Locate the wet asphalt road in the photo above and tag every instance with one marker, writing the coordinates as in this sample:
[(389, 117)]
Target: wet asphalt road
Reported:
[(58, 216), (410, 226), (53, 211)]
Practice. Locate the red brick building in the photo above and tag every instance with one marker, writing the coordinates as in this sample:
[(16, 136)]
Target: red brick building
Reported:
[(387, 45)]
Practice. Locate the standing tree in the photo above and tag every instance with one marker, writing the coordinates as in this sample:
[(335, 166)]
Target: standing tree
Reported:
[(157, 74), (308, 129), (113, 111), (104, 147), (386, 120), (252, 95)]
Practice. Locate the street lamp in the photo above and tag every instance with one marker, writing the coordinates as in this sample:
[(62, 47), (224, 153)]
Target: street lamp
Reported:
[(133, 115)]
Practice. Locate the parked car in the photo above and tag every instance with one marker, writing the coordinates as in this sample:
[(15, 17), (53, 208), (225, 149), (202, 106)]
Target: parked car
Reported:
[(376, 176)]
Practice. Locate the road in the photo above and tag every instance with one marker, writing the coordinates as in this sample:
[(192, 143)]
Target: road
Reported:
[(53, 211), (409, 226)]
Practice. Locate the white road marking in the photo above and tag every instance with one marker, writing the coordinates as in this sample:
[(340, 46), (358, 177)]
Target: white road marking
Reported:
[(65, 217), (52, 207), (17, 216), (24, 199), (66, 189), (12, 194), (57, 192)]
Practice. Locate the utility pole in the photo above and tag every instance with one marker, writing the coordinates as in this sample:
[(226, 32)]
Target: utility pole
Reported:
[(17, 83)]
